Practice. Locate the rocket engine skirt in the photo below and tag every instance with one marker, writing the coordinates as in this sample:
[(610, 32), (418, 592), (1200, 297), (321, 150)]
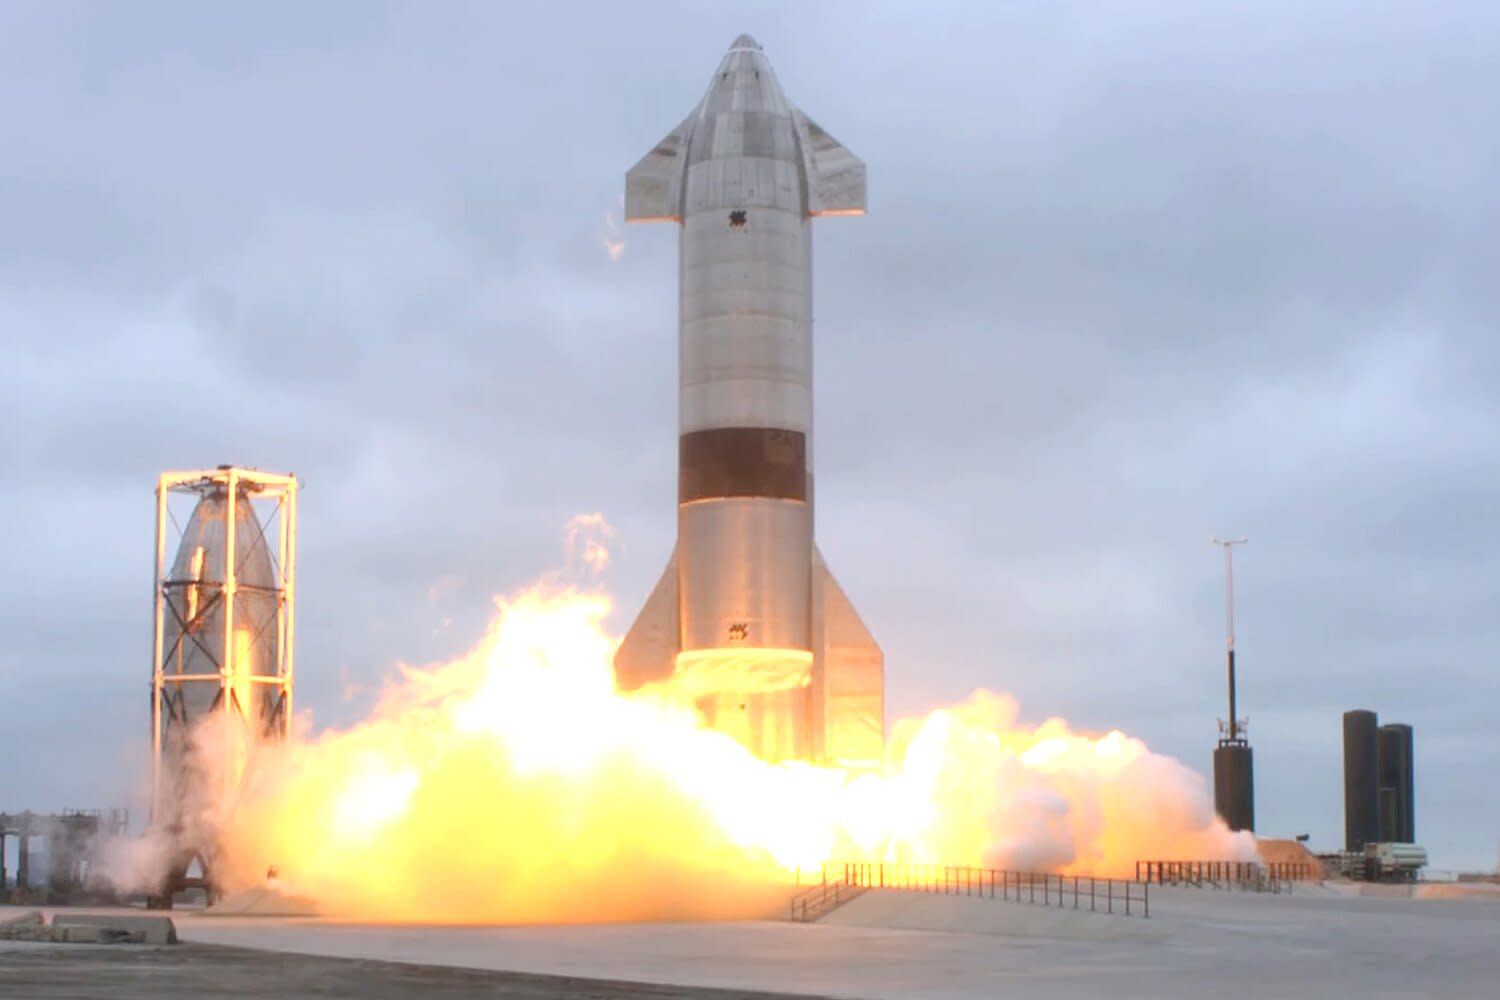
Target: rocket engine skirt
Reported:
[(743, 573), (758, 696)]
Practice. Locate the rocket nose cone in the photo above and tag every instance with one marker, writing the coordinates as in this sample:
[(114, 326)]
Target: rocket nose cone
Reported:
[(745, 42)]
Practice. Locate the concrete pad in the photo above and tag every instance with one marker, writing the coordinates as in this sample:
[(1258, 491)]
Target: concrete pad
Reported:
[(1304, 946), (900, 910), (1292, 947)]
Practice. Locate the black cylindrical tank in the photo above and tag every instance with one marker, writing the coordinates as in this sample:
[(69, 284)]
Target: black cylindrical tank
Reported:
[(1234, 784), (1361, 780), (1395, 753), (1390, 816)]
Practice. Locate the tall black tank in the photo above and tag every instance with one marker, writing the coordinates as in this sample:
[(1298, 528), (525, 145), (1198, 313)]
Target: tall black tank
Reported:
[(1395, 764), (1234, 784), (1361, 780), (1390, 815)]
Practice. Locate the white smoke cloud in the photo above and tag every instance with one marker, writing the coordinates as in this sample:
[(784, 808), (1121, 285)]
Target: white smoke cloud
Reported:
[(611, 237)]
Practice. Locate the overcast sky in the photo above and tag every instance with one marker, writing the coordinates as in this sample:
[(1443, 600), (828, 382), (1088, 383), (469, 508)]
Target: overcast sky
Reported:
[(1132, 275)]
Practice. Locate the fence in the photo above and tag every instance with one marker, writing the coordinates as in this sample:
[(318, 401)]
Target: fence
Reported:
[(1295, 871), (1251, 875), (1078, 892)]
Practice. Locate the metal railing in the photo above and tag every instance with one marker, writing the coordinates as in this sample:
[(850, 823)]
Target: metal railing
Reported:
[(1078, 892), (810, 904), (1276, 877)]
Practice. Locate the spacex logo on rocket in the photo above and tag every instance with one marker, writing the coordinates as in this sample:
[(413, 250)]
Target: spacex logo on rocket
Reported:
[(746, 609)]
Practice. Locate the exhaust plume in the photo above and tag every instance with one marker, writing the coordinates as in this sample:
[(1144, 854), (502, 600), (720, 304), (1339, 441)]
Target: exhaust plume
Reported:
[(516, 784)]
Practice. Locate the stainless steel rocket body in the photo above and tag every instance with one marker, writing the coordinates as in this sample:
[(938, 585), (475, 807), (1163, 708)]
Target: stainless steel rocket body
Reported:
[(745, 369), (744, 175)]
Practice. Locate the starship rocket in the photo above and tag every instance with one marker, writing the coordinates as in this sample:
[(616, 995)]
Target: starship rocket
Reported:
[(747, 620)]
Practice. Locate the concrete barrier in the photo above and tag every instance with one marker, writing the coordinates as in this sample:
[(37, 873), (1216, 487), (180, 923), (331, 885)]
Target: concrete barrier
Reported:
[(30, 926), (122, 928)]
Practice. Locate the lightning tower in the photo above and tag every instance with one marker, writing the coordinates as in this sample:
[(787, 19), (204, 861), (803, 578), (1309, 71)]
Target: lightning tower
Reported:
[(1234, 776)]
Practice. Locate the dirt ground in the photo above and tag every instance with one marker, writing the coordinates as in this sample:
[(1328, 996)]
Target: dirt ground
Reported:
[(123, 972)]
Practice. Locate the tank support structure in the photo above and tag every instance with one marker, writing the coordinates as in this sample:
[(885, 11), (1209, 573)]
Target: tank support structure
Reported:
[(203, 655)]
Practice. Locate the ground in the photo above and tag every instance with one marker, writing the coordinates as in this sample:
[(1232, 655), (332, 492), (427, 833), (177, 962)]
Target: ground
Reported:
[(52, 972), (1315, 943)]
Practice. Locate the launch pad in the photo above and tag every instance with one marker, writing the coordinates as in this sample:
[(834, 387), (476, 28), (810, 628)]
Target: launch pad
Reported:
[(1309, 945)]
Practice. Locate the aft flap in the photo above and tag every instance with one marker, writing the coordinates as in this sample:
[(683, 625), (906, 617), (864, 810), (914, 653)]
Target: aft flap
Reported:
[(850, 670), (653, 187), (649, 650), (835, 176)]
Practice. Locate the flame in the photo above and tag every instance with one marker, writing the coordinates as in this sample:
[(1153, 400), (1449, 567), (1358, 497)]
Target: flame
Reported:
[(515, 784)]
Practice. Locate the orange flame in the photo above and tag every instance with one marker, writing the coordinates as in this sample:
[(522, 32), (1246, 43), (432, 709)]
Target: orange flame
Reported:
[(515, 784)]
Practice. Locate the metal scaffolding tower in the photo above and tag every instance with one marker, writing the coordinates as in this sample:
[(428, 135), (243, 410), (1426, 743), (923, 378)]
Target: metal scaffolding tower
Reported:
[(222, 667)]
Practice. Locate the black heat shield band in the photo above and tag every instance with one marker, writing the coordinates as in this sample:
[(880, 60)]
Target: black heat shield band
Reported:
[(742, 462)]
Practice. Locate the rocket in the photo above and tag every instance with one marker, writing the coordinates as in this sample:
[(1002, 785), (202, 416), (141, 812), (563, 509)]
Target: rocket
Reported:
[(746, 620)]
